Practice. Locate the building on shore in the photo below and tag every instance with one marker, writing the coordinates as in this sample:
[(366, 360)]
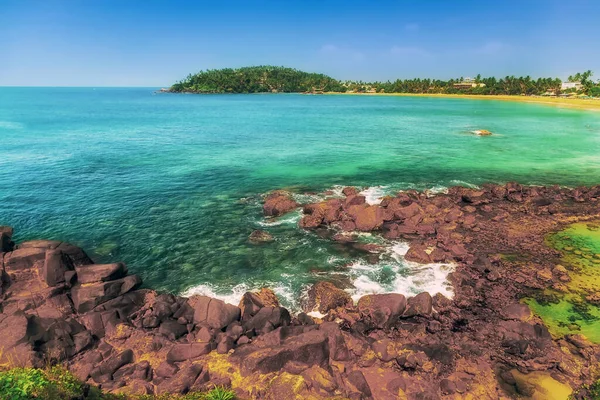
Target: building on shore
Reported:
[(468, 83), (571, 85)]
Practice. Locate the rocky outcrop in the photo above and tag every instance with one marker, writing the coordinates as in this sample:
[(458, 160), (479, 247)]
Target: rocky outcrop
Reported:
[(324, 296), (278, 203), (56, 305)]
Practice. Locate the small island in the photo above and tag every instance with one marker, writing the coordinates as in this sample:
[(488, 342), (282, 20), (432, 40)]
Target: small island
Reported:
[(273, 79)]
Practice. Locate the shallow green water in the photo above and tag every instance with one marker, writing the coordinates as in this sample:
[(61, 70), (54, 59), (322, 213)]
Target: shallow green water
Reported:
[(570, 312), (171, 184)]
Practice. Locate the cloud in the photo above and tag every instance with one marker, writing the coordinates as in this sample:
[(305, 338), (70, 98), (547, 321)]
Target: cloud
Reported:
[(493, 48), (412, 27), (410, 51), (329, 48), (341, 52)]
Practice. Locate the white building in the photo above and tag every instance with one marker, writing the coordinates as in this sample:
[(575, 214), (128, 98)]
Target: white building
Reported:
[(571, 85)]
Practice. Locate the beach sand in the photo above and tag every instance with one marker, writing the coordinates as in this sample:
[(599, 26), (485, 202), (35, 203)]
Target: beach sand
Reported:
[(582, 104)]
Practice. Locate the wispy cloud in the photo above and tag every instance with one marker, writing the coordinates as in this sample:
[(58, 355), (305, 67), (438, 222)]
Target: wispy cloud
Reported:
[(494, 48), (342, 52), (412, 27), (410, 51)]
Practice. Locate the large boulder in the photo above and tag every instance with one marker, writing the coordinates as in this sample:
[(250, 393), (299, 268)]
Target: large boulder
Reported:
[(87, 296), (421, 304), (100, 272), (278, 203), (324, 296), (216, 313), (382, 310), (56, 264), (252, 302), (310, 348), (40, 244), (76, 254), (409, 211), (6, 243), (103, 371), (367, 217), (267, 319), (188, 351), (23, 259), (182, 382), (418, 253)]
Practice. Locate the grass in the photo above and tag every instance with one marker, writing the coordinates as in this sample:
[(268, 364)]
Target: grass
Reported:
[(57, 383)]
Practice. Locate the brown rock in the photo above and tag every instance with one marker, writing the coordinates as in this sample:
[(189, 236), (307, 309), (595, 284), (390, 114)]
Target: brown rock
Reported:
[(349, 191), (100, 272), (421, 304), (544, 275), (56, 264), (87, 296), (259, 236), (22, 259), (278, 203), (310, 348), (216, 313), (324, 296), (417, 253), (382, 309), (354, 200), (252, 302), (188, 351), (409, 211)]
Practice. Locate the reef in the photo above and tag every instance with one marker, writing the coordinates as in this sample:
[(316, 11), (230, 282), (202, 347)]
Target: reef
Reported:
[(515, 250)]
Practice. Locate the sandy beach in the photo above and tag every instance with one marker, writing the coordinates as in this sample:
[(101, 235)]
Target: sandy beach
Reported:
[(581, 104)]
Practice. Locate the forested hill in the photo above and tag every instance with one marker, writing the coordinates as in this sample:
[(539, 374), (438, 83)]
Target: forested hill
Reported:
[(266, 79), (261, 79)]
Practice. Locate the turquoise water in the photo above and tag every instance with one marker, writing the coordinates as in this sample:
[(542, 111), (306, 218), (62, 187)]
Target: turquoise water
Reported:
[(171, 184)]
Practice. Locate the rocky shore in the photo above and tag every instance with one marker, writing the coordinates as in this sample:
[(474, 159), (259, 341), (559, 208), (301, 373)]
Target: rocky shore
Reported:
[(57, 306)]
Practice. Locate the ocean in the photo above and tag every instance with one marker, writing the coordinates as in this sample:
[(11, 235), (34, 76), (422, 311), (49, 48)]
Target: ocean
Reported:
[(171, 184)]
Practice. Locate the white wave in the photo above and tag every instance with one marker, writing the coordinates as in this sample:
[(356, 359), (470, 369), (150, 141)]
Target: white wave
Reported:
[(399, 250), (292, 218), (431, 278), (316, 314), (374, 194), (437, 189), (11, 125), (234, 294), (410, 278), (456, 182)]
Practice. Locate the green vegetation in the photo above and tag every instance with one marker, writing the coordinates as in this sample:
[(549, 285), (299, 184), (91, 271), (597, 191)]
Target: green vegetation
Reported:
[(265, 79), (591, 392), (261, 79), (57, 383)]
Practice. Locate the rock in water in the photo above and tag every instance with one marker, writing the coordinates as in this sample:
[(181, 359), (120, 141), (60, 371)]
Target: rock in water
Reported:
[(482, 132), (259, 236), (278, 203)]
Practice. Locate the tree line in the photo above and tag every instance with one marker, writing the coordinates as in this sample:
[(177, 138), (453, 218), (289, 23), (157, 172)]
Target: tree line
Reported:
[(263, 79), (260, 79)]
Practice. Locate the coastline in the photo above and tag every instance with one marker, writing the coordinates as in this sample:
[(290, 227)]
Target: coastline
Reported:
[(57, 305), (580, 104)]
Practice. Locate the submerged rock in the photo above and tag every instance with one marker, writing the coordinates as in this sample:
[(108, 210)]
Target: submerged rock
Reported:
[(259, 236)]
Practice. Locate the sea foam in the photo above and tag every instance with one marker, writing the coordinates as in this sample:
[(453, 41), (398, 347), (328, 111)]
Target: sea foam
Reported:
[(408, 278)]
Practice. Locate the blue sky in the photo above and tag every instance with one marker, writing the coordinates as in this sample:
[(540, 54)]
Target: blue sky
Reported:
[(154, 43)]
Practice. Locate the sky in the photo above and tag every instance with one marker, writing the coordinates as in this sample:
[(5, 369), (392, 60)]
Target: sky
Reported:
[(155, 43)]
